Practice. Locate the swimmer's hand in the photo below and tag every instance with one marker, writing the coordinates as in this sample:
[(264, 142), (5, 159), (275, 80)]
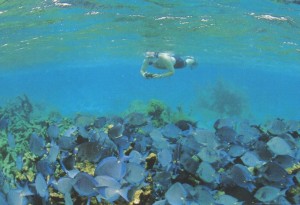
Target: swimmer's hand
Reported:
[(148, 75)]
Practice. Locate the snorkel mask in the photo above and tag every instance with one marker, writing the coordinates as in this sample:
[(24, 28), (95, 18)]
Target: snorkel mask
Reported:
[(191, 61)]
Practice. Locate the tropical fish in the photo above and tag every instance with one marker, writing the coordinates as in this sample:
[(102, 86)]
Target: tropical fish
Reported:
[(189, 163), (135, 173), (267, 194), (64, 185), (263, 153), (176, 194), (45, 167), (53, 152), (206, 138), (115, 131), (242, 177), (2, 178), (11, 140), (136, 119), (111, 189), (279, 146), (136, 157), (228, 200), (285, 161), (158, 139), (226, 134), (171, 131), (162, 180), (37, 145), (277, 127), (2, 199), (100, 122), (19, 162), (165, 157), (251, 159), (227, 122), (202, 195), (71, 131), (236, 150), (273, 172), (207, 173), (90, 151), (53, 131), (297, 176), (4, 122), (83, 132), (67, 163), (208, 155), (41, 186), (85, 185), (111, 166), (18, 196), (67, 143), (247, 134)]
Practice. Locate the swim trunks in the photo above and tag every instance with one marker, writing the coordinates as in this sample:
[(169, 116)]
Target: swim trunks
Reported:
[(180, 63)]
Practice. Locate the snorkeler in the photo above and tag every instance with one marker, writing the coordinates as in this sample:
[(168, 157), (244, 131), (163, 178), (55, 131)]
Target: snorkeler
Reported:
[(166, 61)]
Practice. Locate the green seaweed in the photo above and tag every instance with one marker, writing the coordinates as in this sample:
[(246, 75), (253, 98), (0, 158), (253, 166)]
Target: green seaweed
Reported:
[(158, 112)]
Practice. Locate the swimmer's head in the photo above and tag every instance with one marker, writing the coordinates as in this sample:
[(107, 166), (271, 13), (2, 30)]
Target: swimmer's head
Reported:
[(191, 61), (150, 54)]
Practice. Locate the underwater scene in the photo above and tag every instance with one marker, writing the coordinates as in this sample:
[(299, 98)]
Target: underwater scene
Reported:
[(145, 102)]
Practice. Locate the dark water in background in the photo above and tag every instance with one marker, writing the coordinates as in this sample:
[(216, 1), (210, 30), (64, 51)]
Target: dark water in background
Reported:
[(85, 56)]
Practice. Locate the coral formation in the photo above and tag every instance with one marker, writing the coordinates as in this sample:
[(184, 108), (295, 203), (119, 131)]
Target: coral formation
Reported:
[(222, 99), (147, 156)]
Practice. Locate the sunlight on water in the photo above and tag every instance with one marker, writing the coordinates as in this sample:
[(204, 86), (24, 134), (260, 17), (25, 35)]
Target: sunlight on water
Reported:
[(67, 30)]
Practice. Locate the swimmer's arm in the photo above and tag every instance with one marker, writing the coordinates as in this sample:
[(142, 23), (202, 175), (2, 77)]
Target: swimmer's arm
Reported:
[(170, 68), (144, 67)]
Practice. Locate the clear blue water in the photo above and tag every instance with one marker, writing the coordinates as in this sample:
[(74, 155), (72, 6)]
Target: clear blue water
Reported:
[(85, 56)]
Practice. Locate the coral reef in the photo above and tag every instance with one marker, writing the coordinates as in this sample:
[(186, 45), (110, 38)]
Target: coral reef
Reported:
[(146, 156)]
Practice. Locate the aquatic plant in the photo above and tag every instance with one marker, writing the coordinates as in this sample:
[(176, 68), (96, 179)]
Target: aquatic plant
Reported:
[(221, 99), (159, 113)]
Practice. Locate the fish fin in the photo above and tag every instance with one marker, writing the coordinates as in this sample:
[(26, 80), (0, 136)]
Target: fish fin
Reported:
[(72, 173), (124, 192), (88, 201), (250, 187), (98, 197), (68, 199), (26, 191)]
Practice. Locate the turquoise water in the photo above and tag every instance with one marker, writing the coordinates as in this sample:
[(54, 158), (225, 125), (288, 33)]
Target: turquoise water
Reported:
[(86, 55)]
